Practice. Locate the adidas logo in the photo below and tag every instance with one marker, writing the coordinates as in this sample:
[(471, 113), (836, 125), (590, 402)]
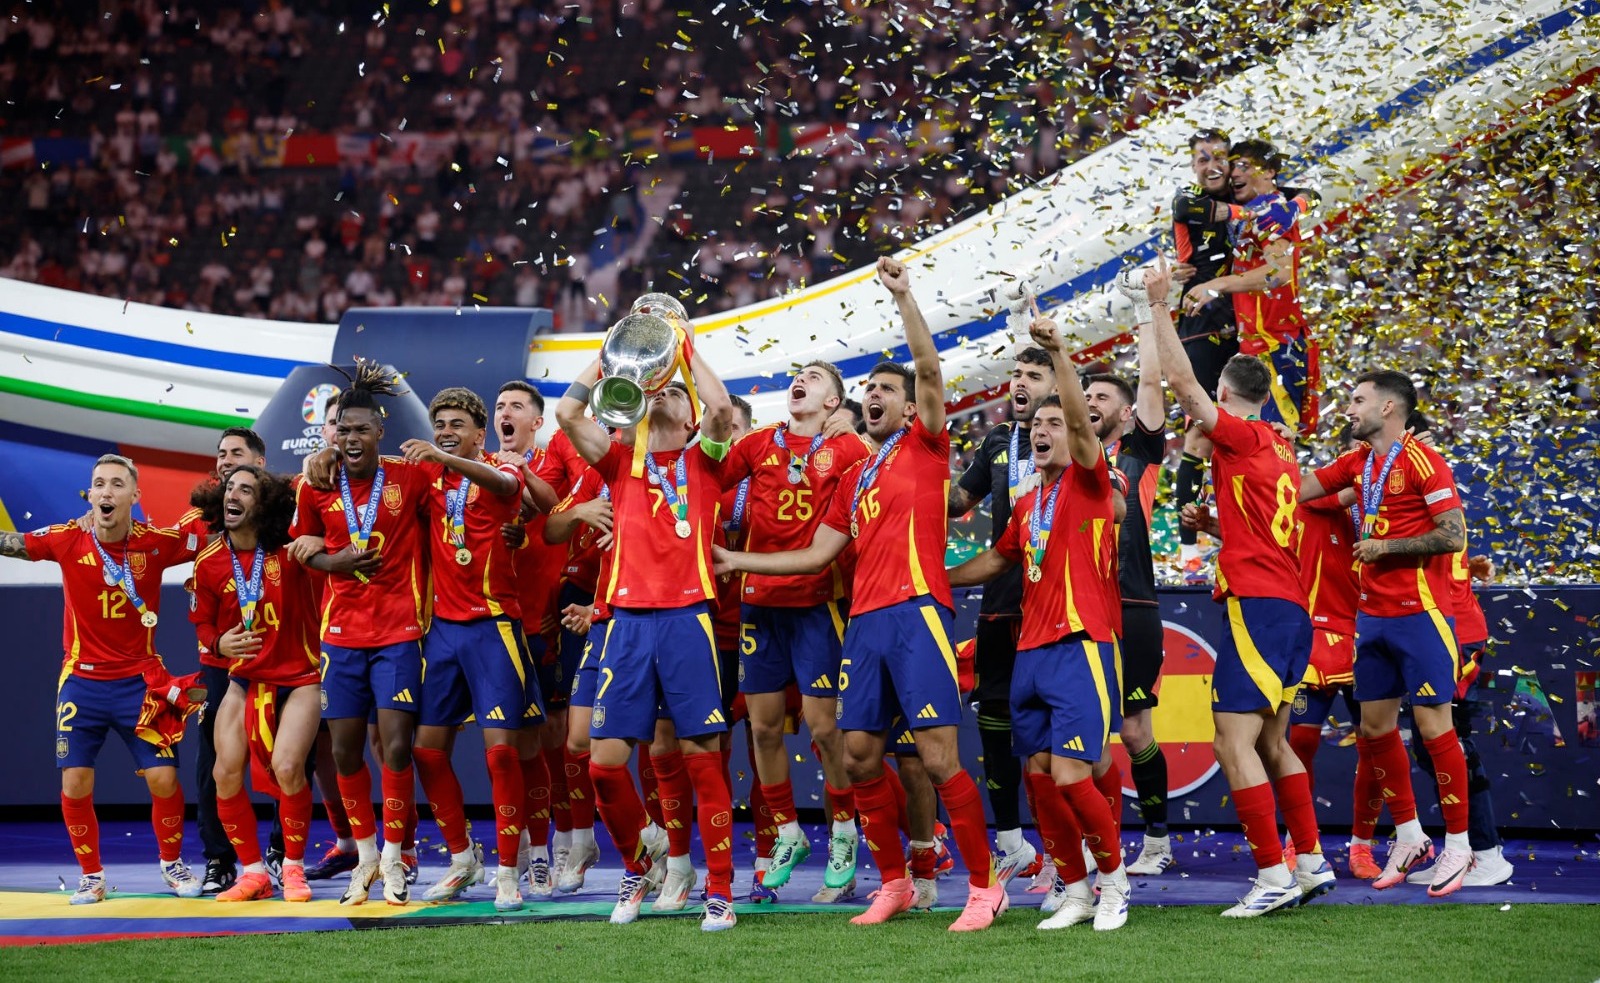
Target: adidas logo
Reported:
[(496, 714), (87, 560), (927, 713), (510, 831), (1076, 744), (716, 718), (84, 849), (771, 462), (404, 696), (532, 713), (822, 682), (1450, 800), (674, 824), (722, 845), (392, 824), (1426, 690), (1137, 694)]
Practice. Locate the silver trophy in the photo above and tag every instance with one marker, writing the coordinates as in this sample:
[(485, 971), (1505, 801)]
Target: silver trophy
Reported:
[(636, 360)]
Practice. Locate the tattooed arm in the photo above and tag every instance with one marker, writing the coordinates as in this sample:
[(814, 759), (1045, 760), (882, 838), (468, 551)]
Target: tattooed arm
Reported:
[(12, 545), (1449, 535)]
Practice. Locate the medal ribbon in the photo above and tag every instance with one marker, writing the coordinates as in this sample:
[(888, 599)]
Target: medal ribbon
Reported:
[(676, 493), (360, 527), (121, 575), (1372, 492), (740, 500), (816, 443), (1018, 471), (455, 513), (869, 475), (247, 592), (1039, 526)]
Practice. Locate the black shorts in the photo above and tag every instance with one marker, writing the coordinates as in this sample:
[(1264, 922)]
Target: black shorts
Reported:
[(994, 657), (1208, 353), (1142, 654)]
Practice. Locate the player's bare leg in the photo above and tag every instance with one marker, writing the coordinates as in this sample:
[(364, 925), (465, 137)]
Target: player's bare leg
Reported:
[(928, 858), (1235, 746), (237, 815)]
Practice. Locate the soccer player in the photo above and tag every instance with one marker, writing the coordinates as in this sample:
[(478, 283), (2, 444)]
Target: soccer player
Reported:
[(791, 628), (1264, 652), (111, 577), (1003, 471), (257, 611), (1065, 693), (1132, 429), (371, 516), (898, 660), (1412, 524), (659, 653), (477, 659)]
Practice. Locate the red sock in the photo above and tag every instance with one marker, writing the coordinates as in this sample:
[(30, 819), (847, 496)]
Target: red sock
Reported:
[(1391, 770), (356, 793), (924, 863), (294, 812), (580, 790), (619, 806), (969, 826), (408, 839), (1258, 817), (1093, 813), (333, 804), (538, 797), (83, 831), (166, 817), (1058, 827), (841, 803), (1450, 770), (1299, 813), (875, 801), (676, 800), (650, 783), (710, 787), (510, 801), (443, 789), (727, 765), (780, 799), (761, 815), (1303, 741), (238, 820), (400, 804), (555, 764), (1368, 801), (902, 818), (1110, 786)]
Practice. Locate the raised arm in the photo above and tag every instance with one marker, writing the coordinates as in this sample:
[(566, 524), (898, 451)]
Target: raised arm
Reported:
[(1149, 406), (588, 437), (924, 356), (825, 547), (486, 476), (717, 425), (1174, 360), (13, 545), (1081, 439)]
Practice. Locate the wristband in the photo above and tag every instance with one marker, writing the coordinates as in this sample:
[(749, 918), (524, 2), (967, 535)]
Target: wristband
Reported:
[(715, 449), (579, 392)]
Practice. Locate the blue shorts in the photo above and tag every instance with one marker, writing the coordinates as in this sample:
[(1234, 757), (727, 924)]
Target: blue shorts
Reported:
[(1313, 704), (1263, 655), (87, 709), (584, 680), (1066, 698), (658, 663), (547, 674), (898, 661), (357, 682), (1414, 655), (569, 645), (478, 669), (779, 646), (1294, 369)]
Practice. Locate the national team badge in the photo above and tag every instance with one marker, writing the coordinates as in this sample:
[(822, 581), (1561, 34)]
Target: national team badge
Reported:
[(823, 459), (391, 498), (273, 569), (61, 747), (136, 563), (472, 494), (1397, 481), (599, 716)]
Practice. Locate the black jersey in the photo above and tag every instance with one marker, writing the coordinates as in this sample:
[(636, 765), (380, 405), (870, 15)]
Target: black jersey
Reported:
[(1138, 455), (991, 476), (1203, 244)]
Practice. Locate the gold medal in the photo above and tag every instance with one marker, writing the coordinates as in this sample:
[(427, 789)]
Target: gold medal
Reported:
[(1035, 573), (855, 529), (463, 556), (682, 528), (148, 619)]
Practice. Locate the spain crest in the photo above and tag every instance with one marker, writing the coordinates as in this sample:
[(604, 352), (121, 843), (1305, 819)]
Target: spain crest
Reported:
[(273, 569), (391, 498), (823, 460), (1397, 482), (136, 563)]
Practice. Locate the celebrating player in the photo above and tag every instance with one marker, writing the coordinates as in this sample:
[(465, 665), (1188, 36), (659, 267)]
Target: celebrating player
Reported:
[(1065, 692), (1412, 524), (112, 581), (257, 611), (477, 659), (898, 661), (1004, 461), (659, 651), (791, 627), (1264, 652)]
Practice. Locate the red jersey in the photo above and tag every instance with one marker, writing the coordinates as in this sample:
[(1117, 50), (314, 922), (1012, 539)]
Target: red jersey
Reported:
[(1266, 319), (1418, 489), (102, 635), (725, 611), (901, 520), (486, 586), (780, 516), (651, 566), (581, 567), (559, 465), (390, 608), (285, 615), (1328, 570), (1471, 626), (538, 564), (1257, 486), (192, 525), (1076, 592)]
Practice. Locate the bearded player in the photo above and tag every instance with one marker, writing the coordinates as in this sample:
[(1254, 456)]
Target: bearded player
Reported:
[(1263, 655), (111, 577), (257, 611), (898, 661)]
